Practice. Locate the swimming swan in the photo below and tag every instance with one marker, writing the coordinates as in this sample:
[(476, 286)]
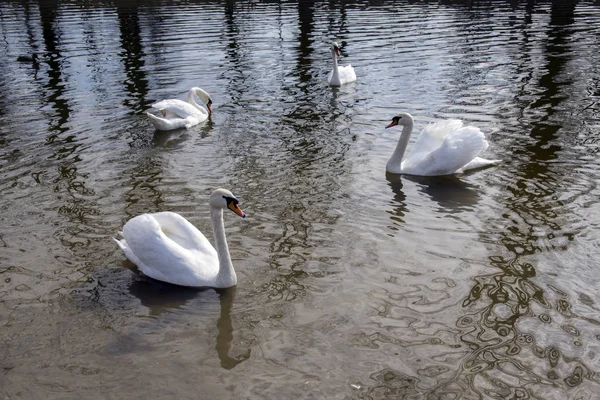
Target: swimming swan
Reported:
[(339, 75), (167, 247), (175, 113), (442, 148)]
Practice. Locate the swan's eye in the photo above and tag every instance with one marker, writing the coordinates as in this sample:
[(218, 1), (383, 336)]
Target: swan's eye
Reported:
[(231, 200)]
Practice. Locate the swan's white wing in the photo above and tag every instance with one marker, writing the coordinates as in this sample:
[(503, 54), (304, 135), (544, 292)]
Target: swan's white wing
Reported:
[(167, 123), (181, 231), (165, 246), (178, 107), (347, 74), (458, 147), (432, 137)]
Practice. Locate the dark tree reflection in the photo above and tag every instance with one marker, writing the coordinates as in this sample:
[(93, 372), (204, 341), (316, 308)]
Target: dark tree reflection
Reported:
[(56, 86), (499, 300), (133, 55)]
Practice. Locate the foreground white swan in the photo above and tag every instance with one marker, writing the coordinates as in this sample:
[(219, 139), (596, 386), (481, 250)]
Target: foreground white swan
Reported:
[(176, 113), (167, 247), (442, 148), (339, 75)]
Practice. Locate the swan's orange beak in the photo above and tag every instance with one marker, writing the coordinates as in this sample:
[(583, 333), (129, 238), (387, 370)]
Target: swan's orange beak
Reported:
[(338, 52), (393, 123), (209, 106), (236, 209)]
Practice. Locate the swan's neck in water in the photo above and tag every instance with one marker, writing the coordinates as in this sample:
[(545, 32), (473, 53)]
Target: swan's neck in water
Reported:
[(226, 276), (396, 158)]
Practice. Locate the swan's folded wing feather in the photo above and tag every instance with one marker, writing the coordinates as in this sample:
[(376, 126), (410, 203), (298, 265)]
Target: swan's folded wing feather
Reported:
[(433, 135), (347, 74), (457, 149), (178, 107), (167, 124), (162, 253), (182, 231)]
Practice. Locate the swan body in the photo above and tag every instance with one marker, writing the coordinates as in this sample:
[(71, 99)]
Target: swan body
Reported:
[(167, 247), (339, 75), (175, 113), (443, 148)]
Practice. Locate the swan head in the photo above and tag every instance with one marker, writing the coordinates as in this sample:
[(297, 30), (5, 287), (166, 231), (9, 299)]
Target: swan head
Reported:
[(223, 198), (401, 119), (204, 97), (335, 49)]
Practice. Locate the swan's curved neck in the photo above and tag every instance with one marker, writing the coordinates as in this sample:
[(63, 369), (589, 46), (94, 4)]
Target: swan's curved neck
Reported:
[(226, 276), (192, 101), (336, 72), (395, 161)]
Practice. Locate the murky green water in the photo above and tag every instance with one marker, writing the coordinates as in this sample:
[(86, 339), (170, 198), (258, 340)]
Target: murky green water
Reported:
[(352, 284)]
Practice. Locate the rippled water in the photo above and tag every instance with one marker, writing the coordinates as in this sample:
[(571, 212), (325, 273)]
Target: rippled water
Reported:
[(352, 284)]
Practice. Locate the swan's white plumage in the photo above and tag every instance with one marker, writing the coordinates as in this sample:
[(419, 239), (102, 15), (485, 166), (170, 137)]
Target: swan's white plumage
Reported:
[(339, 75), (175, 113), (167, 247), (442, 148)]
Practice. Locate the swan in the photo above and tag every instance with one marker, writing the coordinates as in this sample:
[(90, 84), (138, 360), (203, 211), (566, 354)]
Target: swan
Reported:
[(167, 247), (177, 113), (442, 148), (339, 75)]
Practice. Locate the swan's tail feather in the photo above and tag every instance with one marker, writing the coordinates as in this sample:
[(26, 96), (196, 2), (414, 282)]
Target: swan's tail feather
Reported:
[(158, 122), (479, 162), (120, 243)]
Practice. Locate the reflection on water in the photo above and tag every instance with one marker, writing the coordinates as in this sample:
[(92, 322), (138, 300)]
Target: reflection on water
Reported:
[(133, 58), (160, 297), (352, 283), (225, 327), (452, 193)]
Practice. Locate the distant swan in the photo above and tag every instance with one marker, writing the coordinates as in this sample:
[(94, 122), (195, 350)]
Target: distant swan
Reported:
[(176, 113), (167, 247), (339, 75), (442, 148)]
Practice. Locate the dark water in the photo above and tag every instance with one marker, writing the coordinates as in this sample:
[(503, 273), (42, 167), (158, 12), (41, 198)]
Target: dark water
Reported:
[(352, 284)]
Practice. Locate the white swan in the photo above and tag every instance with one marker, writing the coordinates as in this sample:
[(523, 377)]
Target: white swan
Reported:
[(167, 247), (442, 148), (180, 114), (339, 75)]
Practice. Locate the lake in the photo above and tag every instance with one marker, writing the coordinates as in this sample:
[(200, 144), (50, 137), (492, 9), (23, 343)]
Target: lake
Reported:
[(352, 283)]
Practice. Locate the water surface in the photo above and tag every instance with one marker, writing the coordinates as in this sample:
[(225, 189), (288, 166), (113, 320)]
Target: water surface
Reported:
[(352, 284)]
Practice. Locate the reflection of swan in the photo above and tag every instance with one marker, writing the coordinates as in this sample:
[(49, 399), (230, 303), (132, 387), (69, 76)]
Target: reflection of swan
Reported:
[(178, 113), (160, 297), (225, 328), (339, 75), (449, 191), (167, 247), (443, 148)]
